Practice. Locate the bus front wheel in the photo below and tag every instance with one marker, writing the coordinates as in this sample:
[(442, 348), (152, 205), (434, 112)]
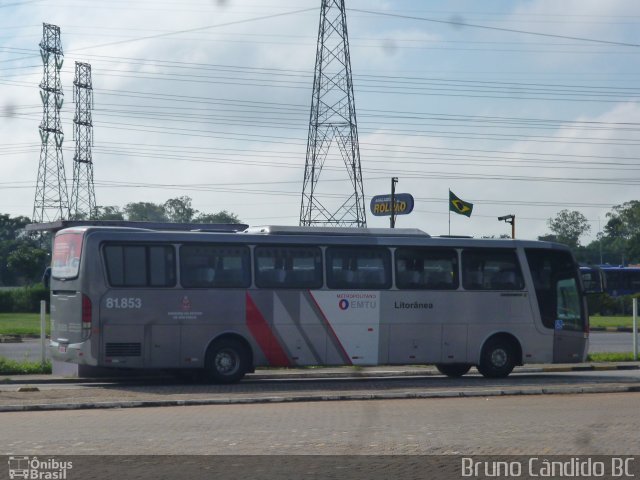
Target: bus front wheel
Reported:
[(227, 361), (453, 370), (498, 358)]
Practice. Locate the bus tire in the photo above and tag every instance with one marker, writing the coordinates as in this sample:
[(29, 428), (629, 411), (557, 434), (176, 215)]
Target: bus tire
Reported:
[(498, 358), (453, 370), (227, 361)]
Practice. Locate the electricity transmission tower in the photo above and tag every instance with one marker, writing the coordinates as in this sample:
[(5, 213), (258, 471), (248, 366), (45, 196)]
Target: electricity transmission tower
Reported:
[(51, 199), (83, 195), (332, 127)]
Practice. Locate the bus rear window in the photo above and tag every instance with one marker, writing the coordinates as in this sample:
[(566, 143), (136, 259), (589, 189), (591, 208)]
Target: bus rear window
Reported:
[(67, 248)]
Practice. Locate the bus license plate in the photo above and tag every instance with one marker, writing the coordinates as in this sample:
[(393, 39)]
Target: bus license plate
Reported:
[(62, 348)]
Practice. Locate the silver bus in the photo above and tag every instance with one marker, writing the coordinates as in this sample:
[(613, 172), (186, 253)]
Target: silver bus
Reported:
[(226, 303)]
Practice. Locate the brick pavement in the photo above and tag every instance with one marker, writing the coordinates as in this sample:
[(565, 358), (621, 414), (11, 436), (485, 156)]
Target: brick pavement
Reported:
[(555, 424)]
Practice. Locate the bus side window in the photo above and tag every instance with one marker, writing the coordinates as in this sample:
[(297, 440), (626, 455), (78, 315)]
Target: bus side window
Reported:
[(214, 266), (491, 270), (161, 266), (358, 268), (426, 268), (126, 265), (138, 265), (288, 267)]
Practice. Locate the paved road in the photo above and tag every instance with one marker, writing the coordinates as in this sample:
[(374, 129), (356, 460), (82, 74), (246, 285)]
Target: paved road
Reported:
[(553, 424), (610, 342), (599, 342), (29, 349), (272, 387)]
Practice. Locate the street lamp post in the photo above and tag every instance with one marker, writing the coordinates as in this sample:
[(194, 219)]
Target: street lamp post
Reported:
[(392, 222), (511, 219)]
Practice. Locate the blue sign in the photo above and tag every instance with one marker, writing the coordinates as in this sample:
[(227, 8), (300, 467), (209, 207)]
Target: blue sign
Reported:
[(381, 204)]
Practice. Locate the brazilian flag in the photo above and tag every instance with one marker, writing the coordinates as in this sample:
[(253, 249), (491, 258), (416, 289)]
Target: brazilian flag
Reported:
[(459, 206)]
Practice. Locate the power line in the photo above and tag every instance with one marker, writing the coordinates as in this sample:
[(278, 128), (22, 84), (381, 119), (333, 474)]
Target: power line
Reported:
[(197, 29), (500, 29)]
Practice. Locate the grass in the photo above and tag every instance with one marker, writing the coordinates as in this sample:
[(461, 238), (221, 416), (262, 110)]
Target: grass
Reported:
[(23, 367), (598, 321), (21, 324), (611, 357)]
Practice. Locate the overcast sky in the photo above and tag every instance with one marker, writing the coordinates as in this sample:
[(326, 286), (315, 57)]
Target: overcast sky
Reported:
[(521, 107)]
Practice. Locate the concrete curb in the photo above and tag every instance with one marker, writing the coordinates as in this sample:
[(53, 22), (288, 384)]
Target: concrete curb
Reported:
[(417, 373), (568, 390), (611, 329), (10, 339)]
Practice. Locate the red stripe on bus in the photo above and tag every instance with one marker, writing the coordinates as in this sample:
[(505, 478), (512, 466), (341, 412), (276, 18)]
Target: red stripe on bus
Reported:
[(268, 342), (331, 331)]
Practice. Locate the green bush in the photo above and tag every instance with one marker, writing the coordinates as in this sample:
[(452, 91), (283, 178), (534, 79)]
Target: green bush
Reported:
[(605, 305), (23, 299), (15, 367), (6, 301)]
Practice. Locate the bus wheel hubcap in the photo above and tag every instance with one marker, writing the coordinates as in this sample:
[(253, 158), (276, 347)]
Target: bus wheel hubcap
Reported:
[(499, 358), (226, 362)]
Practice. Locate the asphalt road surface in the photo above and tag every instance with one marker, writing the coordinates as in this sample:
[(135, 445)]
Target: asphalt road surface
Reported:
[(598, 342), (28, 349), (610, 342)]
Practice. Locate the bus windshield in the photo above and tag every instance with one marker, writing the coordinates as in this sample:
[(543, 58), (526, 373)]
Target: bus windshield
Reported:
[(67, 248), (556, 285), (568, 304)]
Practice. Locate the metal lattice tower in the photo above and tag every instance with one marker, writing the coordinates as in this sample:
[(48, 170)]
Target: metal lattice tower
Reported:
[(51, 199), (83, 195), (332, 126)]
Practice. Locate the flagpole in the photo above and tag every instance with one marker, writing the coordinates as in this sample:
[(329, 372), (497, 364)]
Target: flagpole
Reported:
[(449, 208)]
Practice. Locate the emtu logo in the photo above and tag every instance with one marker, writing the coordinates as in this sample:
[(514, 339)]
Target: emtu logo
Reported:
[(343, 304)]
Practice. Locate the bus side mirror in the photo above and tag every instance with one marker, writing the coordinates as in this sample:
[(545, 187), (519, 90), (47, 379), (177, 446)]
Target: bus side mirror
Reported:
[(46, 278), (592, 282)]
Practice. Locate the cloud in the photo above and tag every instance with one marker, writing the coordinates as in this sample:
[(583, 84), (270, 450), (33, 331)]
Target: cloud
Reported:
[(222, 114)]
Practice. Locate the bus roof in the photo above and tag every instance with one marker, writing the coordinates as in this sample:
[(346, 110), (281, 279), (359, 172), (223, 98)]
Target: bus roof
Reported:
[(341, 231), (167, 226), (273, 235)]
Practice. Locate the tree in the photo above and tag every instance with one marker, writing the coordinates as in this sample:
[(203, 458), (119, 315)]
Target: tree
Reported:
[(145, 212), (569, 226), (12, 234), (624, 220), (108, 213), (12, 228), (548, 238), (623, 227), (220, 217), (27, 262), (179, 210)]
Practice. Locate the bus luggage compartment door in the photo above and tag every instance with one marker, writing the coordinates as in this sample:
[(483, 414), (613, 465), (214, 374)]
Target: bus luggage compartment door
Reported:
[(454, 343), (164, 348)]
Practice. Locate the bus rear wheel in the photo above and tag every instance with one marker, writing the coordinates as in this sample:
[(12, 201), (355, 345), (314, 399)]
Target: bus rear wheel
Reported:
[(498, 358), (453, 370), (227, 361)]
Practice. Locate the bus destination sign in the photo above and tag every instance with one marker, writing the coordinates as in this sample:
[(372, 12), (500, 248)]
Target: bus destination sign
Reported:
[(381, 204)]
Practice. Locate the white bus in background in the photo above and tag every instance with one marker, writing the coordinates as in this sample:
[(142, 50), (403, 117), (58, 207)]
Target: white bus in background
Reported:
[(226, 303)]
